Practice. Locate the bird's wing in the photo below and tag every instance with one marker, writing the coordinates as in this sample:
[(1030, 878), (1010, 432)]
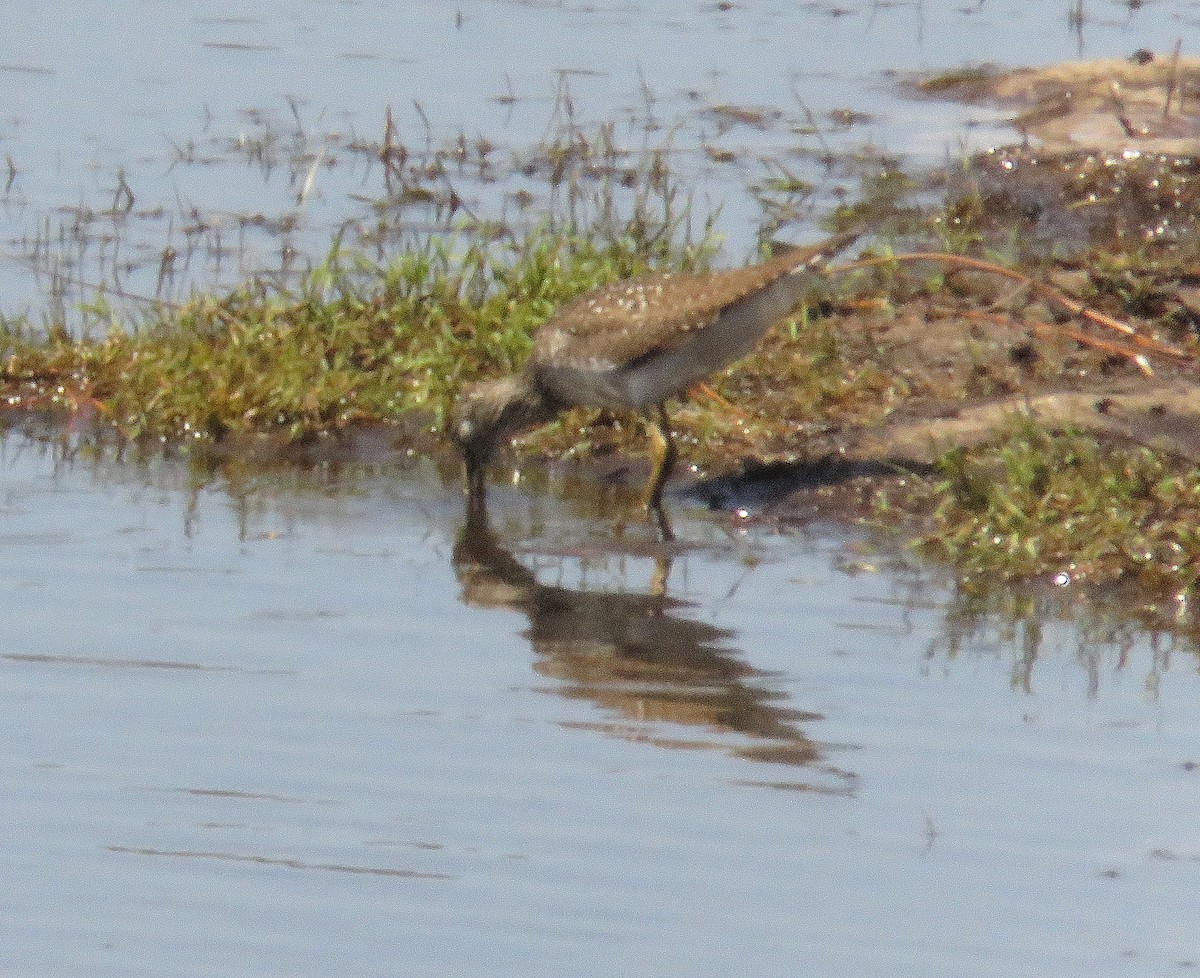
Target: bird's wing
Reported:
[(621, 323)]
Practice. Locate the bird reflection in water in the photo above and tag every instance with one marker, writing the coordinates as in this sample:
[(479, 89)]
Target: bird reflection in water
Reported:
[(640, 658)]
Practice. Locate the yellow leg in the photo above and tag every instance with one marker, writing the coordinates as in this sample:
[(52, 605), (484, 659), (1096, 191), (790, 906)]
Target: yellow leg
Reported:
[(662, 453), (662, 571)]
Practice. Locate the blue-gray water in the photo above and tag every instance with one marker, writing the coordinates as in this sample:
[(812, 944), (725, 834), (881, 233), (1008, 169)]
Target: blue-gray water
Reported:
[(290, 723), (134, 130), (303, 725)]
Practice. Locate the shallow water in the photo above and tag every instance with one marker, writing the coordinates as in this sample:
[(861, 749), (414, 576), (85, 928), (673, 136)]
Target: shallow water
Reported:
[(305, 724), (225, 138)]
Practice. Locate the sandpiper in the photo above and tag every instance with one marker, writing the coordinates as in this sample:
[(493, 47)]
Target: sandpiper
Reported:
[(632, 345)]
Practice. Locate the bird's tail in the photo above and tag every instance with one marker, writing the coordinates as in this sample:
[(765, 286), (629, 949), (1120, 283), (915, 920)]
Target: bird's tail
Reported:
[(807, 258)]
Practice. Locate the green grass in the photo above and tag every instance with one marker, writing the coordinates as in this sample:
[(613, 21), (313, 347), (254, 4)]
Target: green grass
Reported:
[(1040, 502), (354, 343)]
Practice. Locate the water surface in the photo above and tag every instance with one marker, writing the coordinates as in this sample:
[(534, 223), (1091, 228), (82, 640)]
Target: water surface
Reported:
[(307, 723), (263, 722), (236, 141)]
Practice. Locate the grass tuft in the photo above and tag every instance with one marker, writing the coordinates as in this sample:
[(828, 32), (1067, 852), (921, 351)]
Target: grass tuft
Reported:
[(355, 342), (1042, 502)]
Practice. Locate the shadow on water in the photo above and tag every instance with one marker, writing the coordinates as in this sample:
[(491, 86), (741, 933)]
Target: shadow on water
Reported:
[(638, 656), (773, 487)]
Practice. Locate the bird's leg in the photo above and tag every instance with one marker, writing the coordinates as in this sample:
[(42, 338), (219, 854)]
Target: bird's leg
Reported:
[(658, 516), (662, 571), (662, 452)]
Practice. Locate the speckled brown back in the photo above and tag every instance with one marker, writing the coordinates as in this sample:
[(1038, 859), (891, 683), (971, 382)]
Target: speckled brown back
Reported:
[(621, 323)]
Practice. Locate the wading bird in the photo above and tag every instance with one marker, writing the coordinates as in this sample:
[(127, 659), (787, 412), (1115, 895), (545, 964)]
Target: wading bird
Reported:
[(632, 345)]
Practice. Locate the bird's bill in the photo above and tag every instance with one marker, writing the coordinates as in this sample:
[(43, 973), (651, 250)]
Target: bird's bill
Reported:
[(475, 484)]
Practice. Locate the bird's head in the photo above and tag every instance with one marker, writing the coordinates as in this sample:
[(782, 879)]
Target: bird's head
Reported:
[(490, 413)]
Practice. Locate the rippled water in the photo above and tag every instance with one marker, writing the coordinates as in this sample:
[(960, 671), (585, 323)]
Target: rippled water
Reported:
[(311, 724)]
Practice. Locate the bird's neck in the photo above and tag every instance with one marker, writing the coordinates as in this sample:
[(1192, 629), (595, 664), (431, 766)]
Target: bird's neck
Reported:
[(529, 405)]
